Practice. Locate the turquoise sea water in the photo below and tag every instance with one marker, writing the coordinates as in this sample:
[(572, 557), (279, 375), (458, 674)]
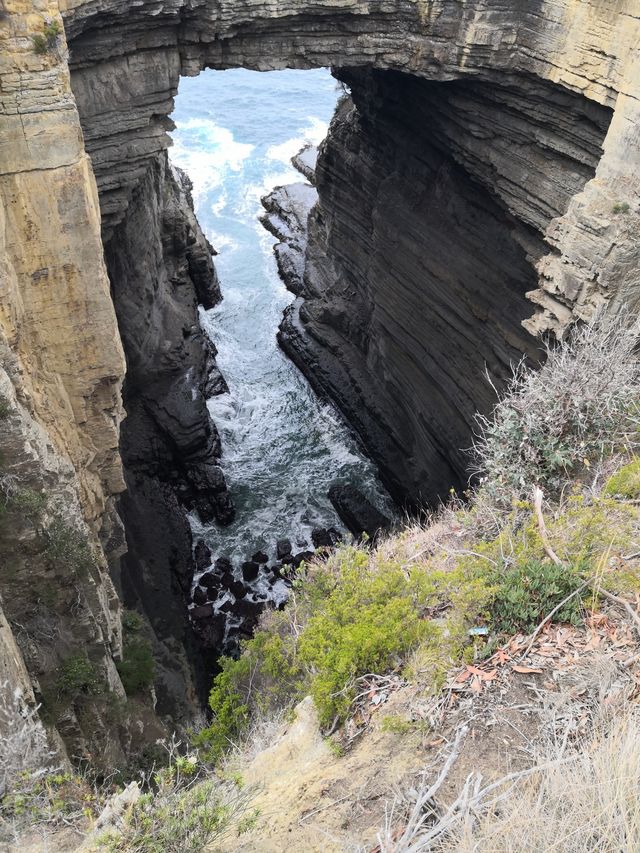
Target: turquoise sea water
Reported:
[(282, 447)]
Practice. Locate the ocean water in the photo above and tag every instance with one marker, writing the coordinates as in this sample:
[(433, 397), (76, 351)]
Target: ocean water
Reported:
[(236, 132)]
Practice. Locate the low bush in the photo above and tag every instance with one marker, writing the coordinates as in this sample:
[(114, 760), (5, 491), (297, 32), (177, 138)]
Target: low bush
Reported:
[(621, 207), (625, 483), (349, 616), (554, 423), (77, 676), (527, 592), (68, 551), (47, 41), (137, 667), (183, 809), (183, 822)]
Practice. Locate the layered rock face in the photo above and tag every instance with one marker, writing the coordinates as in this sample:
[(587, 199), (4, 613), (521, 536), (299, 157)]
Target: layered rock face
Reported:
[(433, 202), (491, 80), (160, 268)]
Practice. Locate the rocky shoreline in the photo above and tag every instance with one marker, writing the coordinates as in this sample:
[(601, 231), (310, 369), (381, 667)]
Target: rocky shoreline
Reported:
[(227, 599)]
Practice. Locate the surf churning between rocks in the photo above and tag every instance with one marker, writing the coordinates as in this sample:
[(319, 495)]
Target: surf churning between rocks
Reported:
[(236, 132)]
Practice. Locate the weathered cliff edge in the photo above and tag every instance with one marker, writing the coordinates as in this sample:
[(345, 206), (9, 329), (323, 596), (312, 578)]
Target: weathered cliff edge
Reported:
[(64, 360)]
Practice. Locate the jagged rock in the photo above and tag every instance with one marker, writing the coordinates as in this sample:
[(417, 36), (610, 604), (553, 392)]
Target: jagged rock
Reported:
[(288, 209), (260, 557), (250, 570), (357, 513), (283, 550), (200, 596), (305, 162), (202, 556)]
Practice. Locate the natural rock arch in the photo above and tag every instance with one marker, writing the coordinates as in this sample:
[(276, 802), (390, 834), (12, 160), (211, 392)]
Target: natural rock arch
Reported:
[(62, 358)]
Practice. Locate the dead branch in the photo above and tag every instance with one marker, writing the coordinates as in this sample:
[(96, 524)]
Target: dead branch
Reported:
[(537, 508)]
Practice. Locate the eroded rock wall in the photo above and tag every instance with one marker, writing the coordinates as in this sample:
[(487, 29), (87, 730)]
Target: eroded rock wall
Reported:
[(160, 268), (64, 359), (433, 203)]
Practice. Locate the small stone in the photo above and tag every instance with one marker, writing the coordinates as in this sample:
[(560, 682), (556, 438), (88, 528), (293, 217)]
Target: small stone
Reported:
[(260, 557)]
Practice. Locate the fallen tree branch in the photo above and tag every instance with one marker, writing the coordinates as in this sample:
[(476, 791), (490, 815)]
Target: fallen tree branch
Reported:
[(537, 508)]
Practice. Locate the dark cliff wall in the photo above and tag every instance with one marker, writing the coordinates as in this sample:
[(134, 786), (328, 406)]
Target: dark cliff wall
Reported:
[(433, 199), (160, 267)]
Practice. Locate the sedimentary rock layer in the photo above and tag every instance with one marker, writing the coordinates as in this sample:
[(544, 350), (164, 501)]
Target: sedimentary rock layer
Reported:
[(160, 269), (434, 199), (64, 360)]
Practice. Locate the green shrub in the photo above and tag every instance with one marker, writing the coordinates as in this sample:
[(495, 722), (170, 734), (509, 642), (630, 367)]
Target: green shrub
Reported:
[(40, 44), (48, 39), (182, 821), (528, 592), (621, 207), (132, 622), (625, 483), (68, 550), (137, 667), (350, 617), (76, 676), (29, 503)]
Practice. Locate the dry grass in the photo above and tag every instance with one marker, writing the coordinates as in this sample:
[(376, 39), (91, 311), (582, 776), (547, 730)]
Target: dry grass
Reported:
[(578, 799), (587, 804)]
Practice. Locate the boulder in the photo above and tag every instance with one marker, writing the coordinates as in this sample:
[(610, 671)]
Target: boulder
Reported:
[(302, 557), (283, 550), (260, 557), (202, 556), (209, 581), (356, 512), (203, 611), (200, 596), (250, 570), (321, 538), (238, 589)]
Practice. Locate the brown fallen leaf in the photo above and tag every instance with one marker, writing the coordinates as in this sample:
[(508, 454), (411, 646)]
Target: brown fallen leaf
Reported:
[(489, 676), (462, 676), (525, 669), (476, 685)]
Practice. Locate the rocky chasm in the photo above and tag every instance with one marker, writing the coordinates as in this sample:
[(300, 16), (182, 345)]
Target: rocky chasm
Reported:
[(478, 188)]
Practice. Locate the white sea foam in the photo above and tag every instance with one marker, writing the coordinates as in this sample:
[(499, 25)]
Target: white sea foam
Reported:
[(217, 153), (313, 133)]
